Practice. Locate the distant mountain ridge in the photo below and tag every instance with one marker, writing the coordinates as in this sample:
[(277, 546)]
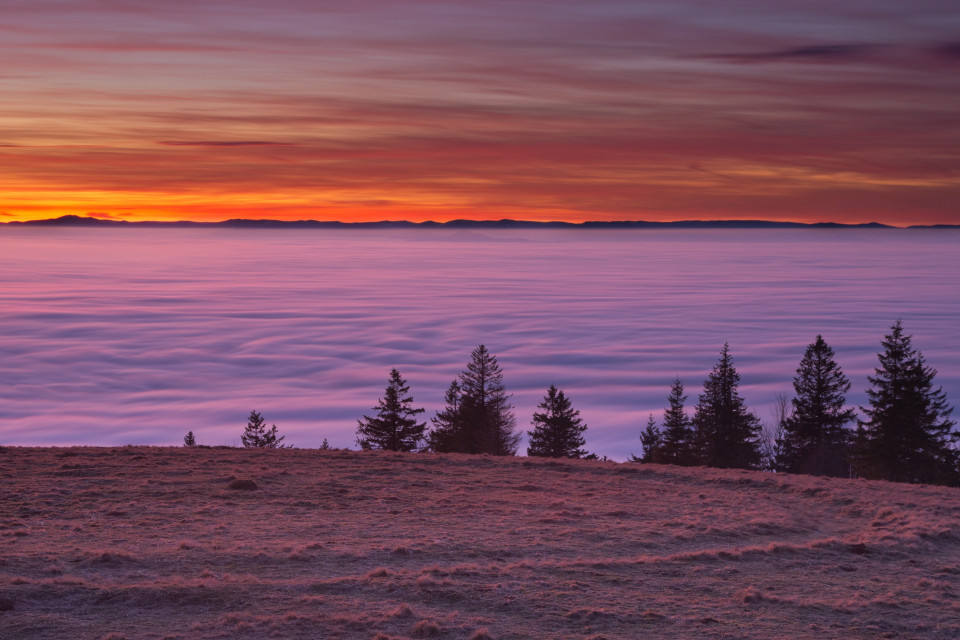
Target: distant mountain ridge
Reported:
[(247, 223)]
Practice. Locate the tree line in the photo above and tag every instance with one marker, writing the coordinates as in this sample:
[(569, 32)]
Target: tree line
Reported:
[(904, 435), (477, 418)]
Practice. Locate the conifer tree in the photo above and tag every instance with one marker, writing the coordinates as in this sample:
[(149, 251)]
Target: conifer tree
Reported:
[(726, 435), (446, 434), (908, 435), (189, 440), (815, 439), (325, 445), (504, 439), (652, 440), (558, 430), (395, 427), (256, 434), (478, 417), (676, 445)]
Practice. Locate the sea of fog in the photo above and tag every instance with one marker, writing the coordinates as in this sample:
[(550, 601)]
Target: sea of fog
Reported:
[(135, 336)]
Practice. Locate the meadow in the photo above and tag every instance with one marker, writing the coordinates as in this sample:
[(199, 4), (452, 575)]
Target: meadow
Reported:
[(148, 542)]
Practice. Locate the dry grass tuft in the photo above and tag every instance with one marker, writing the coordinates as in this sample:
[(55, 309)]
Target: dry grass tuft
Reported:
[(426, 629), (755, 596), (112, 558), (586, 613), (402, 611), (652, 616), (243, 485)]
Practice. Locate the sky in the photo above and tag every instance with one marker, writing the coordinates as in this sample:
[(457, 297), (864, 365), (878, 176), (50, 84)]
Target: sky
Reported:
[(800, 110)]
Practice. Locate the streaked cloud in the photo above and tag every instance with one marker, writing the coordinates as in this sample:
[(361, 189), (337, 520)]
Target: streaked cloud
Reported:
[(456, 109), (813, 53), (949, 50), (223, 143)]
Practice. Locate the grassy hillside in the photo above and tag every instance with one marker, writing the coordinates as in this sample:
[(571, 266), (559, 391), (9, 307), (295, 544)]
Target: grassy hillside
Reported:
[(173, 543)]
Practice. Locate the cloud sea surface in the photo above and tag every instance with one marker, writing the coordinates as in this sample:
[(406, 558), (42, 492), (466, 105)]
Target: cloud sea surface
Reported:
[(135, 336)]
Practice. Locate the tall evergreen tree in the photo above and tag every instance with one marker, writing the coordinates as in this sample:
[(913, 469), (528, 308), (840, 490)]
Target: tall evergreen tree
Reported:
[(447, 434), (558, 430), (676, 445), (908, 435), (652, 440), (256, 434), (478, 417), (815, 438), (395, 427), (726, 435), (189, 440), (504, 439)]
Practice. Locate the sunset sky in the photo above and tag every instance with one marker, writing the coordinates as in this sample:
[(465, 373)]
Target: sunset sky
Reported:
[(801, 110)]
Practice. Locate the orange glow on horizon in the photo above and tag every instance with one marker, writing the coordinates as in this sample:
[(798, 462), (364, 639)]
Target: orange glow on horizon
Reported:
[(411, 111)]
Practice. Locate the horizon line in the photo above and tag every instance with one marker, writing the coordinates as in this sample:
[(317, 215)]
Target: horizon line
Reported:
[(77, 220)]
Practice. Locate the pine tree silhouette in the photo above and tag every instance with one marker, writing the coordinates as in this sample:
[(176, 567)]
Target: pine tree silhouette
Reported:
[(815, 438), (256, 434), (676, 446), (394, 428), (478, 417), (558, 430), (726, 435), (652, 440), (908, 435), (447, 434)]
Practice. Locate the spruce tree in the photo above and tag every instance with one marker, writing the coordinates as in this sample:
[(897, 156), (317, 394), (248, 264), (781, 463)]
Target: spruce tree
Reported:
[(446, 433), (726, 435), (908, 435), (256, 434), (676, 443), (652, 440), (478, 417), (395, 427), (815, 438), (189, 440), (558, 430)]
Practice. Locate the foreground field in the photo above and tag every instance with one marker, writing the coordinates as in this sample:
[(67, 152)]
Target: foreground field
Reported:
[(175, 543)]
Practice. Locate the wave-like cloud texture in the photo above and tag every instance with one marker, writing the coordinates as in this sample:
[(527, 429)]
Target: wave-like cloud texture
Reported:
[(116, 336)]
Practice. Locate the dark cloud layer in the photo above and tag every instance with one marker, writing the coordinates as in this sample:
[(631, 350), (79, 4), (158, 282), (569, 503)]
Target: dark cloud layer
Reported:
[(949, 50), (812, 53), (116, 336)]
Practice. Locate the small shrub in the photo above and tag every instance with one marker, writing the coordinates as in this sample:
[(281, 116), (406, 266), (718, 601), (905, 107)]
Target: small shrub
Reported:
[(243, 485), (426, 629)]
